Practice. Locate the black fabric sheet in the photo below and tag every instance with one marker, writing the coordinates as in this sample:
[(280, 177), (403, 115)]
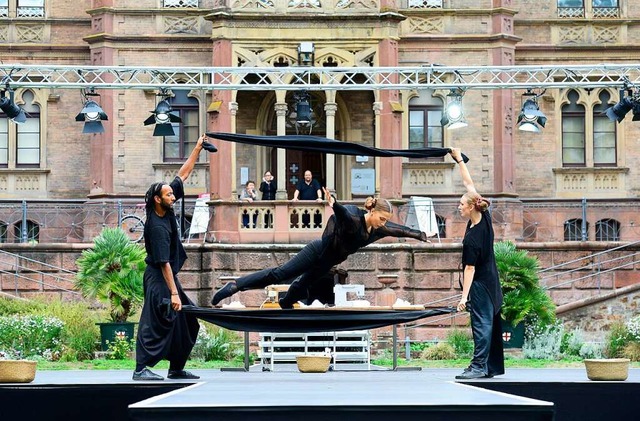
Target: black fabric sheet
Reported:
[(322, 144), (308, 320)]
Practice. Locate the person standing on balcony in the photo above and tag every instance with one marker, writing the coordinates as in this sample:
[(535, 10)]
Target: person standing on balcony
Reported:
[(248, 194), (308, 189), (348, 229), (164, 332), (481, 292), (268, 186)]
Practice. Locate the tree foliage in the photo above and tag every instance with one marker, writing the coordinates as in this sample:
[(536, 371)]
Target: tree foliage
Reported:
[(112, 272), (524, 297)]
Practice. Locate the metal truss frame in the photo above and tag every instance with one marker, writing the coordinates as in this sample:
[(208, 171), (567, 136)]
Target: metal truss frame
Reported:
[(316, 78)]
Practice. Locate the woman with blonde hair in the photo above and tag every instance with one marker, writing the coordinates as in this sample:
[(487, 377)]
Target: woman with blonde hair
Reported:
[(348, 229), (481, 292)]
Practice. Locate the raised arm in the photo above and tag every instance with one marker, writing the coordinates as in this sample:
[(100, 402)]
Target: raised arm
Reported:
[(456, 154), (190, 163)]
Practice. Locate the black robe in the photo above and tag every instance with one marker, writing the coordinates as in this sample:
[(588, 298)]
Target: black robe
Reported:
[(164, 333)]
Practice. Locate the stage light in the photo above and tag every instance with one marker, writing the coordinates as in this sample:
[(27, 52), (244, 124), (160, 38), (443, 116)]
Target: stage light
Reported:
[(453, 116), (163, 117), (626, 104), (92, 114), (11, 109), (531, 119), (304, 119)]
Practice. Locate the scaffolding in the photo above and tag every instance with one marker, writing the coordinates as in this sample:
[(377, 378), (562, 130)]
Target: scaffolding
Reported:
[(310, 78)]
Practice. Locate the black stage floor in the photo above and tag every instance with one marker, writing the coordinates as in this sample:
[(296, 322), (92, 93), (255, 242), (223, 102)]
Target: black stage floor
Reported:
[(285, 394)]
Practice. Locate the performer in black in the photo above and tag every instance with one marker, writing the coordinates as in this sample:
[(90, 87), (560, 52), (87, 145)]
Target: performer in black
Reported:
[(164, 331), (481, 292), (349, 229)]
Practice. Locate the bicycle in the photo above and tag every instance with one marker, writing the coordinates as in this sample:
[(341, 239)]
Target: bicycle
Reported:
[(133, 225)]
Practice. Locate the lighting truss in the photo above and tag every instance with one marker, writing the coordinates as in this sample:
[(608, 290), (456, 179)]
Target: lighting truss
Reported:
[(306, 78)]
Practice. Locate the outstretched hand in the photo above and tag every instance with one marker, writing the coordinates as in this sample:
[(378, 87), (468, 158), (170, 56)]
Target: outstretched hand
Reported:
[(330, 199), (425, 237)]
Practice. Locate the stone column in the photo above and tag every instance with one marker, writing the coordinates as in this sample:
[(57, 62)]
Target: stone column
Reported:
[(233, 111), (281, 115), (330, 109), (377, 108)]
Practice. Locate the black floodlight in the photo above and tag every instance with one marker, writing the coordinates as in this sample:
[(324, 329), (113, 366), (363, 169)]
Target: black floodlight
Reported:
[(92, 114), (10, 108), (453, 116), (626, 104), (304, 120), (163, 118), (531, 119)]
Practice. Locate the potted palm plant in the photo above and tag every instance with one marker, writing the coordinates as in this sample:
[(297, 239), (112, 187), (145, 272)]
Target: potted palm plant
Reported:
[(525, 300), (111, 272)]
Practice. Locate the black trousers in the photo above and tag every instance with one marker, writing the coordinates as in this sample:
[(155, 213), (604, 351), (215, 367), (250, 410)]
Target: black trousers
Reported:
[(486, 327), (307, 265)]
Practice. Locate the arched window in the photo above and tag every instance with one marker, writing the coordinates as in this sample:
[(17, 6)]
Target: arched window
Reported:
[(32, 231), (28, 135), (3, 232), (442, 226), (573, 132), (604, 133), (425, 129), (575, 230), (179, 146), (607, 230)]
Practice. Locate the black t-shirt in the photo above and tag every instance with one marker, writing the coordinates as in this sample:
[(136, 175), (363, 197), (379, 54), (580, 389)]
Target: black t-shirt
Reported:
[(477, 251), (161, 239), (308, 191), (346, 232)]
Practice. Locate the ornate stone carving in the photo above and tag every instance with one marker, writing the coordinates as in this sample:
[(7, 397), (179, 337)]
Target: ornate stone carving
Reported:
[(426, 177), (181, 25), (356, 4), (572, 35), (606, 34), (253, 4), (30, 33), (304, 4), (425, 25), (4, 33)]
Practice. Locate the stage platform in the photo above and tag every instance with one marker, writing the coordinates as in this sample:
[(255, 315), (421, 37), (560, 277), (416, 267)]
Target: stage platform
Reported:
[(285, 394)]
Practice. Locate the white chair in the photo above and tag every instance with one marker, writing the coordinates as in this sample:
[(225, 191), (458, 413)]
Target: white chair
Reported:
[(422, 216), (200, 219)]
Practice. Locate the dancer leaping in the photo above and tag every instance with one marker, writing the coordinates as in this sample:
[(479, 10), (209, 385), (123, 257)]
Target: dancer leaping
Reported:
[(348, 229)]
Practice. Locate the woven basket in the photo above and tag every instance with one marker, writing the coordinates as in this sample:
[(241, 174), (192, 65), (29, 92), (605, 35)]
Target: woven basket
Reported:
[(616, 369), (313, 363), (17, 371)]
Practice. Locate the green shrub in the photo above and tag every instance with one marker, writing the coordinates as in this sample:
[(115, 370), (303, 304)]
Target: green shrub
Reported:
[(545, 344), (571, 343), (591, 350), (121, 348), (632, 351), (439, 351), (617, 339), (419, 346), (215, 344), (31, 336), (462, 342), (16, 306), (80, 334)]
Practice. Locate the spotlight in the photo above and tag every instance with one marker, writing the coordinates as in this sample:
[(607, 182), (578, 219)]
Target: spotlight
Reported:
[(303, 112), (9, 107), (162, 116), (531, 119), (453, 117), (627, 103), (92, 114)]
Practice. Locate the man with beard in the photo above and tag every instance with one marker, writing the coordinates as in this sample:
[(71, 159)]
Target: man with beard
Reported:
[(164, 331)]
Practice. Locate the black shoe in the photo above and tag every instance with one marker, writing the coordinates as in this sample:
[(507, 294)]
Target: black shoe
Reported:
[(209, 147), (145, 374), (226, 291), (471, 374), (181, 374), (285, 304)]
